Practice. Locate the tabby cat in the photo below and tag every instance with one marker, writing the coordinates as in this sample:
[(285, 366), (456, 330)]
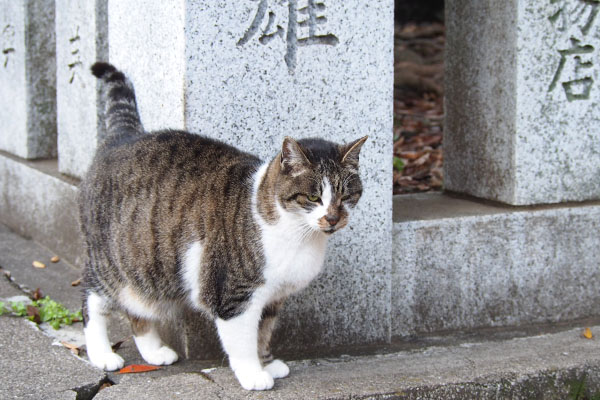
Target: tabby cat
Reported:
[(173, 220)]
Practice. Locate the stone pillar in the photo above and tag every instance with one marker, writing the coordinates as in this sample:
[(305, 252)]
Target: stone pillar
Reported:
[(81, 34), (27, 78), (251, 72), (522, 100)]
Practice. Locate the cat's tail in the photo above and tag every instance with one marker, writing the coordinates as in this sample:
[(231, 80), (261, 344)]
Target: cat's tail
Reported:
[(120, 108)]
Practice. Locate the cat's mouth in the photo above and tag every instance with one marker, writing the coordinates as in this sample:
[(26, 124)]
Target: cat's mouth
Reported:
[(329, 230)]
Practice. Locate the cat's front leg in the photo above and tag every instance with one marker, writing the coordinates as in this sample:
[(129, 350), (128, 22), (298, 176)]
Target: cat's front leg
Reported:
[(277, 368), (239, 336)]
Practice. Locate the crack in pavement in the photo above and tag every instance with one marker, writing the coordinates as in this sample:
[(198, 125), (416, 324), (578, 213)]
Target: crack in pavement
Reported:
[(90, 390)]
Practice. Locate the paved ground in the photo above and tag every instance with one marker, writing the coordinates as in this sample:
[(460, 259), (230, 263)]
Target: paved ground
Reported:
[(34, 364)]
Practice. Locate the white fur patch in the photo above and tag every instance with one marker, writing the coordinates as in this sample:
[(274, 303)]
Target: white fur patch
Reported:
[(152, 350), (192, 260), (321, 210), (137, 306), (278, 369)]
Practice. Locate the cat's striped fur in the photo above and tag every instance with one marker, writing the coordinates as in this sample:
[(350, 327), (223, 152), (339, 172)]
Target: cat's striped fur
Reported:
[(174, 220)]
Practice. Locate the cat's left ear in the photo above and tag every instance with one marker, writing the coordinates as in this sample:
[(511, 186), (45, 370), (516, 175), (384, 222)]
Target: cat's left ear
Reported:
[(351, 151)]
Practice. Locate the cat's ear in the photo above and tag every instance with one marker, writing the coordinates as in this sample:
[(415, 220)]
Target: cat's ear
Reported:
[(293, 159), (351, 151)]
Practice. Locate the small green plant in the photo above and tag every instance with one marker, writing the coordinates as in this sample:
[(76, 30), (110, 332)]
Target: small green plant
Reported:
[(56, 314), (398, 164), (18, 308), (578, 391), (43, 310)]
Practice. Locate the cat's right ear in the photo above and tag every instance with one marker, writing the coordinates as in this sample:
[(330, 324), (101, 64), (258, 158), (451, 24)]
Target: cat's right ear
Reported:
[(293, 159)]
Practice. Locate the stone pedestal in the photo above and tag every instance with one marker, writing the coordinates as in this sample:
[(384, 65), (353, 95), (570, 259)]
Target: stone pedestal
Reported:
[(250, 73), (522, 100), (81, 39), (27, 78)]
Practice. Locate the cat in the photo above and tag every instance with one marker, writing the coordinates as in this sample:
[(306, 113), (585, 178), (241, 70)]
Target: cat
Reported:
[(173, 220)]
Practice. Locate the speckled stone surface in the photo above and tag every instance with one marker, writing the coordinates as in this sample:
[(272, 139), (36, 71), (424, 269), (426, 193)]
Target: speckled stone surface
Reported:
[(28, 78), (495, 267), (81, 37), (251, 73), (522, 100)]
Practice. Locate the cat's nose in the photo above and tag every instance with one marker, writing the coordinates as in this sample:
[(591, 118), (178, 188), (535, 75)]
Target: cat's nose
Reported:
[(332, 219)]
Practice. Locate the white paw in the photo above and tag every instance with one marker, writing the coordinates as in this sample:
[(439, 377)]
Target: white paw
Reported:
[(107, 361), (277, 369), (254, 380), (161, 356)]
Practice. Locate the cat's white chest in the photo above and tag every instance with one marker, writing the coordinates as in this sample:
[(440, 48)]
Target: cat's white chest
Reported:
[(291, 263)]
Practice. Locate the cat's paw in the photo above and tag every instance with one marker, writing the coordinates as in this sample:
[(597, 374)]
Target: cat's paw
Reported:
[(107, 361), (254, 380), (161, 356), (277, 369)]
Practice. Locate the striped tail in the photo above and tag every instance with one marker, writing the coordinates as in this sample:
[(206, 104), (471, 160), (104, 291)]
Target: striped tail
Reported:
[(120, 108)]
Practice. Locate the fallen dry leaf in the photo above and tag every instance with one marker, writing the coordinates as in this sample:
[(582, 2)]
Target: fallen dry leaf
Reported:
[(587, 333), (37, 294), (117, 345), (35, 313), (76, 282), (55, 259), (39, 264), (73, 347), (137, 368)]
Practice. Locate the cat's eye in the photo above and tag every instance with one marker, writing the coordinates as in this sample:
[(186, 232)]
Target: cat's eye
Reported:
[(314, 199)]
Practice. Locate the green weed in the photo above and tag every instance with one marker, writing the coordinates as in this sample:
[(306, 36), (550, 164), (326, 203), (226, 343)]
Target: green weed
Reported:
[(43, 310)]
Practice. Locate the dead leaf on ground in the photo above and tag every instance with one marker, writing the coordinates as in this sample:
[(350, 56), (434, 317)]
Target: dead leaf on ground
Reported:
[(587, 333), (118, 344), (419, 108), (34, 312), (37, 294), (39, 264), (73, 347), (55, 259), (76, 282), (137, 368)]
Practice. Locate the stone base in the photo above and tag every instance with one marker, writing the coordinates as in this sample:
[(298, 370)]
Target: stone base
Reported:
[(461, 264), (39, 203)]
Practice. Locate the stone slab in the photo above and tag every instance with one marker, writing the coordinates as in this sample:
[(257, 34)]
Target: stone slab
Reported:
[(216, 69), (500, 267), (33, 368), (81, 38), (39, 203), (17, 255), (521, 103), (28, 78), (544, 366)]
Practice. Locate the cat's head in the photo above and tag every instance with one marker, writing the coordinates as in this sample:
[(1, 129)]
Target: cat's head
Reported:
[(318, 182)]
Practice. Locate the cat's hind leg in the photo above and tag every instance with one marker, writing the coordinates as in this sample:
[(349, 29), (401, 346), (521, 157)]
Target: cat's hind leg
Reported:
[(149, 343), (239, 336), (95, 330)]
